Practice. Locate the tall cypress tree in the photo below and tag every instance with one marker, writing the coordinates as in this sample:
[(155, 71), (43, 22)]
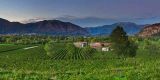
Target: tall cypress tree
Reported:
[(121, 44), (118, 35)]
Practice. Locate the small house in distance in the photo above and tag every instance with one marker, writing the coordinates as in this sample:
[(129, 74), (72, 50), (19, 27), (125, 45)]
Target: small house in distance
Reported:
[(101, 46), (96, 45)]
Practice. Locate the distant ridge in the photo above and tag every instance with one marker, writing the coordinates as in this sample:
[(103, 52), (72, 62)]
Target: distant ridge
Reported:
[(57, 27), (150, 30), (49, 27), (129, 27)]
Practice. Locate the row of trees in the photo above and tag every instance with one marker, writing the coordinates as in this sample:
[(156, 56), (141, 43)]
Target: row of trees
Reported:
[(40, 39), (17, 39)]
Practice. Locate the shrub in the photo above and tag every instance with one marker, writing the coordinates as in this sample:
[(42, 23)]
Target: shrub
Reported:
[(49, 48), (153, 49)]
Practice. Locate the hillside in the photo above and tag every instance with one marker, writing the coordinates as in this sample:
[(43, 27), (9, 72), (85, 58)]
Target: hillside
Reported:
[(151, 30), (130, 28), (52, 27)]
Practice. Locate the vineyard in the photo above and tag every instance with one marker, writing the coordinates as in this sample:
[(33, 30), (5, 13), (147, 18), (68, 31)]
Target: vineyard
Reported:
[(60, 55), (35, 64), (62, 51)]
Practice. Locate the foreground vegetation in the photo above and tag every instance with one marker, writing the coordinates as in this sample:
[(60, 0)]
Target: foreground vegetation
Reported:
[(35, 64)]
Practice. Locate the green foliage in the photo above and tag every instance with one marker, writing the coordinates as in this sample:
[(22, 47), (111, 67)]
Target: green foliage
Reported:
[(119, 36), (121, 44), (71, 49), (68, 51), (88, 51), (34, 64), (153, 49), (130, 50), (55, 50), (49, 47)]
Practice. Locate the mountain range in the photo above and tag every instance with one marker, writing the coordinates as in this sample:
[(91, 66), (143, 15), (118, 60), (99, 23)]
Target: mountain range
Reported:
[(57, 27), (51, 27), (130, 28)]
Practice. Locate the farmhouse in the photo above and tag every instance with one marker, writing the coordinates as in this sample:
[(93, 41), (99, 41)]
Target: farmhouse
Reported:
[(101, 46), (96, 45)]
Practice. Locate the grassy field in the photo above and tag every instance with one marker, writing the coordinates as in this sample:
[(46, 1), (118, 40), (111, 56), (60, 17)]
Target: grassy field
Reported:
[(33, 64)]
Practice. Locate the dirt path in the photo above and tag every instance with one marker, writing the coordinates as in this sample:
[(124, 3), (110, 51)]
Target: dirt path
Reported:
[(27, 48), (30, 47)]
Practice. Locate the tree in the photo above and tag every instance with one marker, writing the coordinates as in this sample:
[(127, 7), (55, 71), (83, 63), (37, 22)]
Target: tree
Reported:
[(49, 48), (118, 35), (121, 44)]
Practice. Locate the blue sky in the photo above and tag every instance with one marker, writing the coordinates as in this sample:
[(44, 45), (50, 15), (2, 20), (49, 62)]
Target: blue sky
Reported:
[(82, 12)]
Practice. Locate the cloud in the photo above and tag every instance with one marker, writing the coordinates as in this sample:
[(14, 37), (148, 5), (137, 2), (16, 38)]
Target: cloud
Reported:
[(83, 22), (87, 21), (33, 20)]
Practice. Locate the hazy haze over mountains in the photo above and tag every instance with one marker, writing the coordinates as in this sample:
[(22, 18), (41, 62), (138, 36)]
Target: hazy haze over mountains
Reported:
[(130, 28), (57, 27)]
